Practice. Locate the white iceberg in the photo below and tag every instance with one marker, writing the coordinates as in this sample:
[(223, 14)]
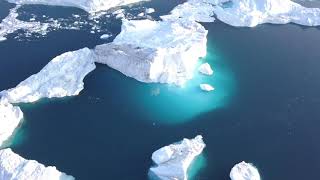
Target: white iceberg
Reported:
[(62, 76), (206, 87), (14, 167), (150, 11), (244, 171), (87, 5), (10, 118), (174, 48), (105, 36), (206, 69), (250, 13), (11, 24), (173, 161)]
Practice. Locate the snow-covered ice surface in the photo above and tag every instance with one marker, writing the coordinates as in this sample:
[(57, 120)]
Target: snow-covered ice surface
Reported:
[(14, 167), (178, 45), (250, 13), (10, 118), (244, 171), (206, 87), (62, 76), (206, 69), (87, 5), (173, 161)]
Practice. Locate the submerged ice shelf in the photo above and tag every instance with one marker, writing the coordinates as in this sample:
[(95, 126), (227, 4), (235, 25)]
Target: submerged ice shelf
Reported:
[(62, 76), (173, 161), (14, 167)]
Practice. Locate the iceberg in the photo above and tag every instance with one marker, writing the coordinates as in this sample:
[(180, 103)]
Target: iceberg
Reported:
[(62, 76), (173, 161), (250, 13), (105, 36), (170, 50), (90, 6), (150, 11), (14, 167), (10, 118), (206, 87), (244, 171), (206, 69)]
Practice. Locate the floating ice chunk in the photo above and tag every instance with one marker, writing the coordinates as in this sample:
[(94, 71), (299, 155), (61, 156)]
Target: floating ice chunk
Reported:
[(206, 87), (206, 69), (173, 161), (105, 36), (14, 167), (244, 171), (10, 118), (175, 48), (11, 24), (87, 5), (150, 11), (63, 76), (253, 12), (141, 14)]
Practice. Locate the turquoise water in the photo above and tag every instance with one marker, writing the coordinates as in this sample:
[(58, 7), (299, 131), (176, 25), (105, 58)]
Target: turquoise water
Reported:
[(265, 109)]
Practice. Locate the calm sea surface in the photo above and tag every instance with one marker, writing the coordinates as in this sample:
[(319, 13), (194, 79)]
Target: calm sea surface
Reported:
[(265, 109)]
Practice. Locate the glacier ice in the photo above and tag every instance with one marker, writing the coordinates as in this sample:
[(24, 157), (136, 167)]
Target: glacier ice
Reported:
[(244, 171), (14, 167), (174, 46), (10, 118), (250, 13), (62, 76), (206, 87), (87, 5), (173, 161), (206, 69)]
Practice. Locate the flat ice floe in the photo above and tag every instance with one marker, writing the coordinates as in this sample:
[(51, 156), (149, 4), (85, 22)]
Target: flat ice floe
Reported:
[(244, 171), (206, 87), (62, 76), (250, 13), (206, 69), (174, 47), (10, 118), (173, 161), (14, 167), (87, 5)]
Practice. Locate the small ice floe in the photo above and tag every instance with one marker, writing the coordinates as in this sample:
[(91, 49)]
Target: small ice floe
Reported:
[(2, 38), (141, 14), (150, 10), (206, 87), (105, 36), (244, 171), (206, 69)]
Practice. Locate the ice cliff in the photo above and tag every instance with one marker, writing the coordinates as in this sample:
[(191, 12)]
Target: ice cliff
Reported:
[(10, 118), (62, 76), (87, 5), (253, 12), (173, 161), (163, 51), (244, 171), (14, 167)]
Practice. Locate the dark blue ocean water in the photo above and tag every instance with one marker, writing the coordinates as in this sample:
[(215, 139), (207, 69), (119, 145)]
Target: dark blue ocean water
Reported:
[(265, 109)]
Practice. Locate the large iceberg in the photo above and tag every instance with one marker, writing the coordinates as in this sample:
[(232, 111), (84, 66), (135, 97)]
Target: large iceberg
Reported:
[(10, 118), (250, 13), (14, 167), (244, 171), (169, 50), (173, 161), (87, 5), (62, 76)]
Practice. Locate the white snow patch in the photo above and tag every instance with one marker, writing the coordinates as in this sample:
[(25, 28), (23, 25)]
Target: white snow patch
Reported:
[(173, 161), (14, 167), (244, 171), (62, 76)]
